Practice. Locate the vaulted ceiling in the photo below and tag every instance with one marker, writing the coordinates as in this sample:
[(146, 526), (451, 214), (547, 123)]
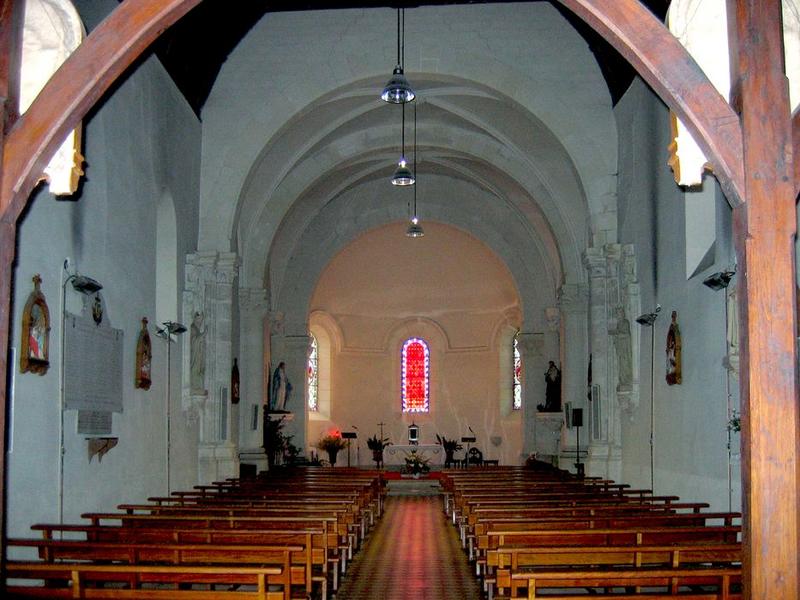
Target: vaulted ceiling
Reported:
[(195, 48)]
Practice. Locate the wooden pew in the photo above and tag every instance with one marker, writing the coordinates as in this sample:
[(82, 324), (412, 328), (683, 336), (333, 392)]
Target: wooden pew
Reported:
[(684, 583), (612, 520), (320, 547), (295, 561), (504, 562), (142, 582)]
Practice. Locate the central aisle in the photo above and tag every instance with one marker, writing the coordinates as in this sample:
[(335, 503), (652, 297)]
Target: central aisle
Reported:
[(413, 553)]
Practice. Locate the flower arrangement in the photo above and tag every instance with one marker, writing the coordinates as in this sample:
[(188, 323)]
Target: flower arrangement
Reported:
[(331, 443), (416, 464)]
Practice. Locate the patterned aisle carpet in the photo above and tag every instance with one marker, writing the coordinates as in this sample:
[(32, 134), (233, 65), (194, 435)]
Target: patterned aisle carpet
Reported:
[(413, 553)]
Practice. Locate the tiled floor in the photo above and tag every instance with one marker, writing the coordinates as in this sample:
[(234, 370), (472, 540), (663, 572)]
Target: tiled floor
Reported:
[(413, 553)]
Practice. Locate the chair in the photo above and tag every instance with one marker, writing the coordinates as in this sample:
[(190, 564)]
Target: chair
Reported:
[(474, 457)]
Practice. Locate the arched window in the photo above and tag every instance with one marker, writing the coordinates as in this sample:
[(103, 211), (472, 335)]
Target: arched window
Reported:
[(312, 374), (415, 365), (517, 399)]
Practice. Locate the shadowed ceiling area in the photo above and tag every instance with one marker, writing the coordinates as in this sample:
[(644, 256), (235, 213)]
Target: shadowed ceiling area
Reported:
[(194, 49)]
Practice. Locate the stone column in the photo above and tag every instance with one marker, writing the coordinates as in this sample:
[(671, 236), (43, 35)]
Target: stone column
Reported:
[(253, 313), (573, 300), (208, 302), (293, 350), (534, 364)]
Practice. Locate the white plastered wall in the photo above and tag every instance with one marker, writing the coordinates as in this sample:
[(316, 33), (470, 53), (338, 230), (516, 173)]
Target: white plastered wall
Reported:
[(691, 418), (142, 148)]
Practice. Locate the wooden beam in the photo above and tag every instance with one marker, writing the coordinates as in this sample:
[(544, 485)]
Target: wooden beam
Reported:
[(73, 90), (765, 227), (11, 16), (674, 75), (796, 150)]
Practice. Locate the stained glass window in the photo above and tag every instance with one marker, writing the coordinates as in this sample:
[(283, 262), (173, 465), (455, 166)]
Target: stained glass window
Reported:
[(517, 404), (415, 376), (312, 375)]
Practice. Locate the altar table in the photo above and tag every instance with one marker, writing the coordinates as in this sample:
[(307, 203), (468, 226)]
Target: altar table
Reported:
[(396, 453)]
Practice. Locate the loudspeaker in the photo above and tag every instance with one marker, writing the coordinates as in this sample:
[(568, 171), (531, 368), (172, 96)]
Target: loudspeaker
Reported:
[(577, 417)]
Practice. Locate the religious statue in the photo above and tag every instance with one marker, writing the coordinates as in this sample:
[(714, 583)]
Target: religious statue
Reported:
[(144, 358), (552, 394), (674, 375), (197, 355), (622, 344), (281, 389)]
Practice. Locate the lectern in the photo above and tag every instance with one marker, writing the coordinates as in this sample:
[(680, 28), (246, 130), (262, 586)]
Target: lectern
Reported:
[(467, 440), (349, 435)]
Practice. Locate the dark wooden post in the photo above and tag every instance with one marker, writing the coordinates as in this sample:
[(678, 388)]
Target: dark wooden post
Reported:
[(10, 44), (796, 147), (765, 228)]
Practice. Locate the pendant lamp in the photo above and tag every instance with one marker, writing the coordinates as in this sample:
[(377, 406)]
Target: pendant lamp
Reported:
[(402, 174), (398, 90)]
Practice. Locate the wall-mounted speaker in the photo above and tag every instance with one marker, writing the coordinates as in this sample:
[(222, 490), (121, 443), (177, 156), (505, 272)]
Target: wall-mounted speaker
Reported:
[(577, 417)]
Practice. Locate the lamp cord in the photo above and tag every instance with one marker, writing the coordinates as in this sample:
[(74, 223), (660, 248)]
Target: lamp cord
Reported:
[(398, 38), (403, 43), (415, 159), (403, 133)]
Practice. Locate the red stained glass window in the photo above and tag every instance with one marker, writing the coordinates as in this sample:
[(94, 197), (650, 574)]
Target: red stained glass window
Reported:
[(415, 376)]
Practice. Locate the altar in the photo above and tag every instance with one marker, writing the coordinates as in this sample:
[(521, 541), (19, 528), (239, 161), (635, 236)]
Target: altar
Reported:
[(396, 454)]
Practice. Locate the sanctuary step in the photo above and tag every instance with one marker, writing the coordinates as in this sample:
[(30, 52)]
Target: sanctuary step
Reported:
[(414, 487)]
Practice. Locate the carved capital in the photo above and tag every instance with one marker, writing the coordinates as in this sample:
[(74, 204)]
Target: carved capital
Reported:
[(530, 343), (219, 267), (573, 298), (277, 322), (253, 299), (552, 316), (595, 262)]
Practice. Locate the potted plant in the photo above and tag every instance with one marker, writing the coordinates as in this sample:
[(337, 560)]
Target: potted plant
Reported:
[(450, 447), (416, 465), (377, 445), (274, 440), (331, 444)]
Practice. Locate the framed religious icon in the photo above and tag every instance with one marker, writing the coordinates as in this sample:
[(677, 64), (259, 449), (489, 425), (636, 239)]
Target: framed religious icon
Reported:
[(34, 357), (144, 358), (674, 375)]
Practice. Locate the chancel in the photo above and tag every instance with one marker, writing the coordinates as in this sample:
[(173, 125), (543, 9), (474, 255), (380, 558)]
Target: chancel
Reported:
[(577, 166)]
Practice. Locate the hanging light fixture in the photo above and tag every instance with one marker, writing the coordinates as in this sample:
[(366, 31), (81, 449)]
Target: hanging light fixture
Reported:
[(402, 174), (415, 229), (398, 90)]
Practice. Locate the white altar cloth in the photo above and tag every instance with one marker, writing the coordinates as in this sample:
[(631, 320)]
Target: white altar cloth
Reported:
[(396, 453)]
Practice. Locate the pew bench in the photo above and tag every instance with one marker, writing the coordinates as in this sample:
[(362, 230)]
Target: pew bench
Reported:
[(141, 582), (704, 583), (295, 561), (321, 556), (504, 562)]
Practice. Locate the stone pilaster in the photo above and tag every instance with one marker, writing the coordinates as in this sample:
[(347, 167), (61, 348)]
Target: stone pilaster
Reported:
[(573, 303), (534, 364), (613, 296), (208, 302), (253, 317), (601, 414)]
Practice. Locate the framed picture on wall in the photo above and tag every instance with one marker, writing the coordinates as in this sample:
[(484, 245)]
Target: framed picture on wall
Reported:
[(35, 346)]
